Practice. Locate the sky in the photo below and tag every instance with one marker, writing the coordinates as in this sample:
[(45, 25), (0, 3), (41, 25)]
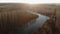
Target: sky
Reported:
[(29, 1)]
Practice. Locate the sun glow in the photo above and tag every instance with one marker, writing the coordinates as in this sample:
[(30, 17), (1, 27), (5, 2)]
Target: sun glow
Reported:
[(30, 1), (40, 1)]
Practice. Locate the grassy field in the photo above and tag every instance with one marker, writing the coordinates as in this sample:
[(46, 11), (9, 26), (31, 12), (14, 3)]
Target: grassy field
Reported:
[(51, 10), (13, 16), (17, 13)]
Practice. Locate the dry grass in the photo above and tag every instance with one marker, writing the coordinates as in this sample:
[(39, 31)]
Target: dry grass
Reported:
[(18, 15), (12, 18)]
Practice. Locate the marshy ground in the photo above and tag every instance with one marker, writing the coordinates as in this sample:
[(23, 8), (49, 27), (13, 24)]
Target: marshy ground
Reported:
[(15, 15)]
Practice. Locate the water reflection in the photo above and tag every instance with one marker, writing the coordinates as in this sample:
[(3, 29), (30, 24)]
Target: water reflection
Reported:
[(33, 25)]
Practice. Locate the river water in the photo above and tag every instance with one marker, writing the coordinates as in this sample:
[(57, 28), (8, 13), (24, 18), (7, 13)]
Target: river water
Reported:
[(33, 25)]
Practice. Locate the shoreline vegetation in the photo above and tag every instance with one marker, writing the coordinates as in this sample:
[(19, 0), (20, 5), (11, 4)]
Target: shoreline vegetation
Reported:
[(12, 17), (12, 10)]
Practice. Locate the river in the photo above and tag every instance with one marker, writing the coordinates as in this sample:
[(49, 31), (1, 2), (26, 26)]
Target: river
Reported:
[(33, 25)]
